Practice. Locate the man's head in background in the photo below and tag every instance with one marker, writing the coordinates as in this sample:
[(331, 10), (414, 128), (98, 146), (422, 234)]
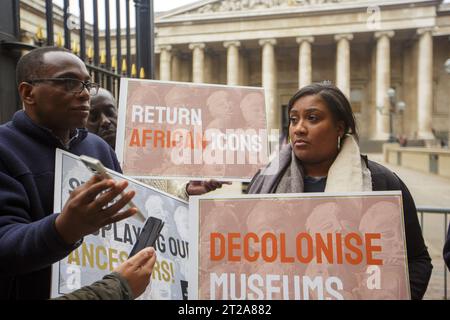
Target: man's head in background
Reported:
[(103, 116)]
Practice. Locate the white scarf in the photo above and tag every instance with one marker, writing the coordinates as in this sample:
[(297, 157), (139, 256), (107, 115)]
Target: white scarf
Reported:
[(349, 172)]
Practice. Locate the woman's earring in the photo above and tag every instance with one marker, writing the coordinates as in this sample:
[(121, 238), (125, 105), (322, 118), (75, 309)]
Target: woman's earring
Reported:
[(339, 143)]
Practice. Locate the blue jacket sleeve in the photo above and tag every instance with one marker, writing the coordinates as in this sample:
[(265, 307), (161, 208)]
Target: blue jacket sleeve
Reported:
[(116, 165), (28, 242)]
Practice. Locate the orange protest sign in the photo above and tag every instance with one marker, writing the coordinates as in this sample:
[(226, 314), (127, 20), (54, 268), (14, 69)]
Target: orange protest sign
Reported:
[(299, 246), (186, 130)]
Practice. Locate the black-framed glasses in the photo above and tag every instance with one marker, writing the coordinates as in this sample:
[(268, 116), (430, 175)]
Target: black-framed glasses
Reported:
[(71, 85)]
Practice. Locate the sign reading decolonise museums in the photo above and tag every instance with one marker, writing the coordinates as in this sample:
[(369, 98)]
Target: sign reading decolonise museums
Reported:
[(104, 250), (298, 246), (185, 130)]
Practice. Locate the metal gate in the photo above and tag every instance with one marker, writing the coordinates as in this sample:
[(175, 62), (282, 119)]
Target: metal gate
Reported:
[(94, 46)]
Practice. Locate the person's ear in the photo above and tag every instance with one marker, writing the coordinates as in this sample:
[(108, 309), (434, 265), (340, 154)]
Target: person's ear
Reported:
[(341, 128), (26, 93)]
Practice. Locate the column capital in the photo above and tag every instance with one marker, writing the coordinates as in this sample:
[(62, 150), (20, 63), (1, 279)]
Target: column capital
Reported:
[(166, 47), (228, 44), (347, 36), (272, 42), (421, 31), (380, 34), (193, 46), (308, 39)]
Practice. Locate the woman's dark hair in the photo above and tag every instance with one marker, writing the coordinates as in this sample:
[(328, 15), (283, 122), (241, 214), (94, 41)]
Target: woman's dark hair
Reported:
[(334, 99)]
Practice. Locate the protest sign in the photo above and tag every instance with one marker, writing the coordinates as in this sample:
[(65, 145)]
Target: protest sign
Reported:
[(186, 130), (298, 247), (104, 250)]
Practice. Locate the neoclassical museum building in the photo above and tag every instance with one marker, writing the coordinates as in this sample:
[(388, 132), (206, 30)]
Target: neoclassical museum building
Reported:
[(387, 56)]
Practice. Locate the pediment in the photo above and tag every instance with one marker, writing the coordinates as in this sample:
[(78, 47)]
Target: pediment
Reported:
[(225, 8), (250, 5)]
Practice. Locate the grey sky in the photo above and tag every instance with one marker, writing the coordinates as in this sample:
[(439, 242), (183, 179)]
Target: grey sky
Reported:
[(159, 5), (164, 5)]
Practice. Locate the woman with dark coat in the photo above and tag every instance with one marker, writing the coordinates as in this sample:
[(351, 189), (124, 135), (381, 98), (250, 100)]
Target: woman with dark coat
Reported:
[(323, 156)]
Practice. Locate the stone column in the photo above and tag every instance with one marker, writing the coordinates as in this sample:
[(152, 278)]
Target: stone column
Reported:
[(198, 61), (232, 62), (208, 66), (176, 65), (425, 84), (269, 82), (383, 83), (165, 58), (343, 62), (304, 61), (243, 68)]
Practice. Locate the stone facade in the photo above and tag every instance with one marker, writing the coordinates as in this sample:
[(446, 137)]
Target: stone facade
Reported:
[(364, 47)]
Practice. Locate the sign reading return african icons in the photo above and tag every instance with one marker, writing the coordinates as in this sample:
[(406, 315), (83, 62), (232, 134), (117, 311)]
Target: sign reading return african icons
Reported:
[(104, 250), (185, 130), (298, 246)]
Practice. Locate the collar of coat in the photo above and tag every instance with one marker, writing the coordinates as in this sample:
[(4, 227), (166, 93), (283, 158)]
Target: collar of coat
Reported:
[(348, 173)]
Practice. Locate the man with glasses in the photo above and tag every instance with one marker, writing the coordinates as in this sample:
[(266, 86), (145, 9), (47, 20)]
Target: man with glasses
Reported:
[(55, 88)]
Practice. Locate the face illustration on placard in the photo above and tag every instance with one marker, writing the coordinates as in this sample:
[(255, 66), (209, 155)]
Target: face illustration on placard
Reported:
[(330, 218), (220, 106), (155, 207), (379, 218), (252, 112), (181, 217), (267, 218)]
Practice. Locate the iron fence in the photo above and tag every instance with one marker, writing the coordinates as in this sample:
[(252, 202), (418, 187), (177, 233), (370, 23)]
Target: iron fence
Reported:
[(107, 52), (443, 212)]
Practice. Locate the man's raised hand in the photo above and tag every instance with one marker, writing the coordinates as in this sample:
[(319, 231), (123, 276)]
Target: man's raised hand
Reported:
[(86, 209)]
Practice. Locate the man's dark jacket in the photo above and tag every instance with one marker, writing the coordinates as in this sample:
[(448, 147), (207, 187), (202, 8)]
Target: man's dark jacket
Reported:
[(29, 242)]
